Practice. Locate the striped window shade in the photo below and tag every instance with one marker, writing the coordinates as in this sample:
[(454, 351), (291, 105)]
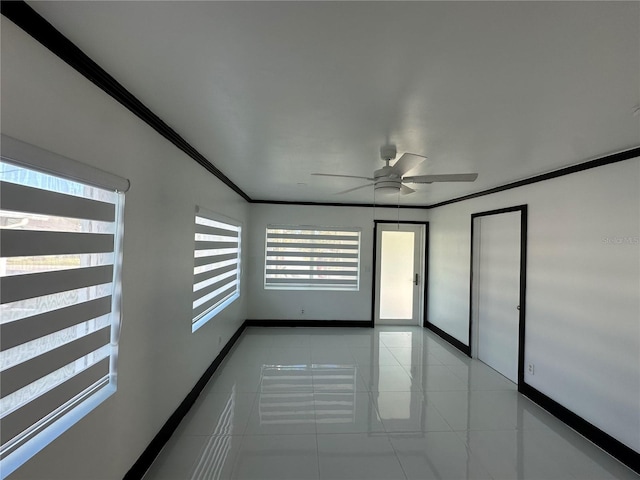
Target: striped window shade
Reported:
[(59, 303), (216, 270), (312, 258)]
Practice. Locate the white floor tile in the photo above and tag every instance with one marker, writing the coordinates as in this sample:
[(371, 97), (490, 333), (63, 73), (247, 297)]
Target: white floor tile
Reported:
[(324, 339), (289, 338), (486, 410), (437, 455), (283, 413), (374, 356), (241, 378), (437, 378), (278, 457), (360, 337), (347, 413), (337, 378), (288, 356), (286, 378), (187, 457), (479, 376), (332, 355), (408, 412), (411, 356), (405, 337), (316, 403), (387, 378), (514, 454), (248, 355), (578, 456), (450, 356), (218, 414), (357, 456)]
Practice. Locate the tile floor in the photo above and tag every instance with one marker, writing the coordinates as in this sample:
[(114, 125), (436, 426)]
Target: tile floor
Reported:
[(383, 403)]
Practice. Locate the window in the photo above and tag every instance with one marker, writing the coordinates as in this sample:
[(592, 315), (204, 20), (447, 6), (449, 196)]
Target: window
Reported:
[(312, 258), (216, 269), (59, 298)]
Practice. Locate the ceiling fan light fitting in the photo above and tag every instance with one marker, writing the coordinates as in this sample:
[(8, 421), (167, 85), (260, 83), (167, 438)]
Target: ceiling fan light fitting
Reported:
[(388, 187)]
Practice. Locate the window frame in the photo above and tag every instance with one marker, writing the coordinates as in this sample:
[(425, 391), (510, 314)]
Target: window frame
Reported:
[(218, 225), (30, 440), (314, 284)]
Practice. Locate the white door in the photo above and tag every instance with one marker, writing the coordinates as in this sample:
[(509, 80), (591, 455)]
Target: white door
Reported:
[(497, 291), (399, 274)]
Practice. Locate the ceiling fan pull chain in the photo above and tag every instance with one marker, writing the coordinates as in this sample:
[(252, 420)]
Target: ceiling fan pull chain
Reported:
[(374, 208)]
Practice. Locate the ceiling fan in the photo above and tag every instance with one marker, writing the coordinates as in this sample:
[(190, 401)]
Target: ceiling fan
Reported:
[(392, 179)]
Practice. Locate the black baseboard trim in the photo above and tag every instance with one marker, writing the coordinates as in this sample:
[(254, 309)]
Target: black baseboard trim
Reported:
[(309, 323), (137, 471), (614, 447), (452, 340)]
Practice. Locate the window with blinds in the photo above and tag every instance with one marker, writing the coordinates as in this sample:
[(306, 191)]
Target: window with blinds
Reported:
[(59, 312), (312, 258), (216, 271)]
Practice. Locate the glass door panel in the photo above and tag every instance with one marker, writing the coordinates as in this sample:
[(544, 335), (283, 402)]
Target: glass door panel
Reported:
[(396, 275), (399, 272)]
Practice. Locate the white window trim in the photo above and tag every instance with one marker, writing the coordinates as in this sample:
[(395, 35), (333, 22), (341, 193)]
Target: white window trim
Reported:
[(310, 286), (35, 158), (202, 318), (28, 156)]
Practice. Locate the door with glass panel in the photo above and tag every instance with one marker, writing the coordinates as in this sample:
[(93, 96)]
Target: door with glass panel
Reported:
[(399, 275)]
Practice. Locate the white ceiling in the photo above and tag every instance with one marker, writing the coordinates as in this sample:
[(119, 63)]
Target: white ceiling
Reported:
[(270, 92)]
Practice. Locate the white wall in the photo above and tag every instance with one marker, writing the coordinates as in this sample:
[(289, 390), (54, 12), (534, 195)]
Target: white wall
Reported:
[(317, 305), (583, 308), (583, 289), (48, 104)]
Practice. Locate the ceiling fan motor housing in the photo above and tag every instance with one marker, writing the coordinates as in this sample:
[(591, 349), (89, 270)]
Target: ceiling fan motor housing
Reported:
[(385, 171), (386, 181)]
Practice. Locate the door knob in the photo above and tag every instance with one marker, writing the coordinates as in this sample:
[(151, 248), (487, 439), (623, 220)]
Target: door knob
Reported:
[(518, 307)]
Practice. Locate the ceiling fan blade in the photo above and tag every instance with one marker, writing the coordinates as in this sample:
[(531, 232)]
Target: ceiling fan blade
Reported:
[(451, 177), (340, 176), (406, 162), (404, 190), (352, 189)]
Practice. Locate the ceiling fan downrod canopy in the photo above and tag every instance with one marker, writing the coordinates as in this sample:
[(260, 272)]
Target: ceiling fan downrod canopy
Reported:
[(386, 181)]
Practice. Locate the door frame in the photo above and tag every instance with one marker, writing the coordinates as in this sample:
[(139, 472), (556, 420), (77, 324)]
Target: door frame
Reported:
[(425, 266), (523, 209)]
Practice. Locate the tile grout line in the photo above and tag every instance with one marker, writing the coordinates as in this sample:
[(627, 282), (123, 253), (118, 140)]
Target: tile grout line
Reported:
[(395, 452), (315, 413)]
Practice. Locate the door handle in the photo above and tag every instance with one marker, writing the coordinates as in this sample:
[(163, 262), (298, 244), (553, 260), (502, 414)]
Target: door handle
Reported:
[(518, 307), (416, 280)]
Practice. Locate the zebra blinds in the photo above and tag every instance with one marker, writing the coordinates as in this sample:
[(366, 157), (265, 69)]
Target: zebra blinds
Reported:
[(216, 271), (59, 305), (312, 258)]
